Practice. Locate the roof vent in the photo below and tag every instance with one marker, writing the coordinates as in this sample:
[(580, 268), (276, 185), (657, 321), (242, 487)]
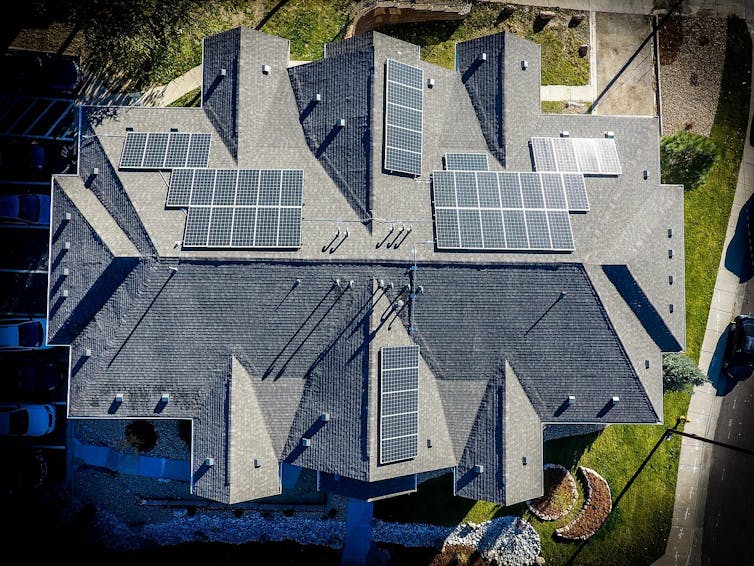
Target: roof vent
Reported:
[(306, 442), (398, 304), (341, 123), (524, 65), (571, 399), (119, 398), (609, 134), (87, 352), (670, 279), (479, 468), (67, 216), (483, 57), (222, 72), (266, 69), (671, 307), (317, 98), (565, 134), (524, 461), (615, 400), (429, 443), (324, 417), (670, 253), (646, 364), (165, 397), (670, 232), (65, 292), (430, 83), (258, 462), (351, 283), (66, 272), (646, 174), (129, 128), (67, 246), (95, 171), (209, 462)]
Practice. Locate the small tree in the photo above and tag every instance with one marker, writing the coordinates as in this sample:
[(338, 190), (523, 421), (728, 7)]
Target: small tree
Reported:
[(686, 158), (679, 372)]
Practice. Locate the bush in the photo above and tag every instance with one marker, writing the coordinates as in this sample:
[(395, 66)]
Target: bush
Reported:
[(686, 158), (141, 435), (679, 372)]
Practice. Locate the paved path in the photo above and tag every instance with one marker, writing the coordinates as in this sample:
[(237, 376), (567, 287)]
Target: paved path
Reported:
[(684, 542), (135, 464), (714, 8)]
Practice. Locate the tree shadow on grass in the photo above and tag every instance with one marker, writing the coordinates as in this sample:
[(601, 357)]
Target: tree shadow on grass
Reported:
[(568, 451)]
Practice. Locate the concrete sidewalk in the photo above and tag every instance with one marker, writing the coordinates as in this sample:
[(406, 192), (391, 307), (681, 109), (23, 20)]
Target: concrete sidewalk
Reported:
[(685, 540)]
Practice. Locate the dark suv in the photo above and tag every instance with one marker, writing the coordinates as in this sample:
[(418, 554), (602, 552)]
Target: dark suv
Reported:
[(738, 361)]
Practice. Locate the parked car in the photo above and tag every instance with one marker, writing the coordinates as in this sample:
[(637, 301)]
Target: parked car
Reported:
[(26, 419), (23, 334), (738, 359), (25, 208), (34, 161), (30, 378), (40, 73)]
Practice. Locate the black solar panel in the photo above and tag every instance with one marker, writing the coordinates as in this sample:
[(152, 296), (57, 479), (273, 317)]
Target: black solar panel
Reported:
[(404, 92), (165, 150), (399, 403)]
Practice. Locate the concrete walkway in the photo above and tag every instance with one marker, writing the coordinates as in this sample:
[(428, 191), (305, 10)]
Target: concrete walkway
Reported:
[(685, 540), (135, 464)]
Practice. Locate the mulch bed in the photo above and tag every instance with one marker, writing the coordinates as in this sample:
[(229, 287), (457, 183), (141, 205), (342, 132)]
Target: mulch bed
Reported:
[(597, 507), (560, 494)]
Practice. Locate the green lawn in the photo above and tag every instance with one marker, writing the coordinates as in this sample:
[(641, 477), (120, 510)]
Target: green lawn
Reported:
[(561, 63), (636, 531), (191, 98)]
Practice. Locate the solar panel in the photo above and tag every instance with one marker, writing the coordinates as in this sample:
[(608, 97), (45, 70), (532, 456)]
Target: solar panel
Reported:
[(164, 150), (589, 156), (466, 161), (575, 192), (505, 210), (239, 208), (404, 92), (399, 403)]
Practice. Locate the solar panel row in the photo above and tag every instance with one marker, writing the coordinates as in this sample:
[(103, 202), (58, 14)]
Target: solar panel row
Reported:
[(466, 162), (589, 156), (165, 150), (249, 208), (404, 94), (399, 403), (503, 210)]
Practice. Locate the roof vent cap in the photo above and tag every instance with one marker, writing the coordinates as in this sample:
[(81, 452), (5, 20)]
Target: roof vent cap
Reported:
[(258, 462), (222, 72), (565, 134), (65, 292), (266, 69), (209, 462), (341, 122), (67, 216), (646, 174), (87, 352), (66, 272), (324, 417), (483, 57), (119, 398), (317, 97), (95, 171), (479, 468), (615, 400), (306, 442), (165, 397), (571, 399), (524, 65), (67, 246), (430, 83), (609, 134)]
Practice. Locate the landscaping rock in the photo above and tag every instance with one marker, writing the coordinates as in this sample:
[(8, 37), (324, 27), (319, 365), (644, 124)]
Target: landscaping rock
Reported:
[(509, 541)]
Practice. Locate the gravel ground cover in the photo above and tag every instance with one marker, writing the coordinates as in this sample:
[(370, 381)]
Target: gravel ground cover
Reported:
[(692, 51)]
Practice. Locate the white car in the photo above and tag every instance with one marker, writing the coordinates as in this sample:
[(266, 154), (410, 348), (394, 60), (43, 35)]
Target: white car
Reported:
[(22, 419)]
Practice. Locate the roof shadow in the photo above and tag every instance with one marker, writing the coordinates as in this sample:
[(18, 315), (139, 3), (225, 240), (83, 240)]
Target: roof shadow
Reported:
[(637, 300)]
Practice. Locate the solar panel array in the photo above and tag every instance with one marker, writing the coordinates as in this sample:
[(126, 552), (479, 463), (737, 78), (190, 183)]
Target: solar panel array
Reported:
[(399, 403), (589, 156), (239, 208), (404, 97), (466, 162), (165, 150), (505, 210)]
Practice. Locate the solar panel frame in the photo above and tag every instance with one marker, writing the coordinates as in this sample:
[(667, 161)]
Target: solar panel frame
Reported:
[(237, 218), (399, 403), (588, 156), (466, 162), (514, 218), (404, 108), (165, 150)]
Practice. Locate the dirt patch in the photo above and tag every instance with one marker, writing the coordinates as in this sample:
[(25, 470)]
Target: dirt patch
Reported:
[(692, 53), (619, 36)]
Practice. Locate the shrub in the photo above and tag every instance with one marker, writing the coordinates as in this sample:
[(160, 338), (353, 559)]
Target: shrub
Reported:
[(686, 158), (679, 372)]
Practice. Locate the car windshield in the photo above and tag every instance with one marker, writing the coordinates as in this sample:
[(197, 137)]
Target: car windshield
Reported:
[(19, 422), (30, 334), (28, 208)]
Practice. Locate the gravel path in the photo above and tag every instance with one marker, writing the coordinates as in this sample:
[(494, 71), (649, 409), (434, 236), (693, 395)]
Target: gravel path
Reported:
[(692, 53)]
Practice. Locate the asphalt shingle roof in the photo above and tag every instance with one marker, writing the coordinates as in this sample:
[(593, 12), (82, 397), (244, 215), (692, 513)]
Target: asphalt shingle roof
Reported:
[(254, 346)]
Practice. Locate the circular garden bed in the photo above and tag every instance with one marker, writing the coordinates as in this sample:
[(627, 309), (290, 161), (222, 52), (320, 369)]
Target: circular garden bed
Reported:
[(560, 494)]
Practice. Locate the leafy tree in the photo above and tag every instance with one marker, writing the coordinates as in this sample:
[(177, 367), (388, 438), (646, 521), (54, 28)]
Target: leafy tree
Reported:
[(679, 372), (686, 158)]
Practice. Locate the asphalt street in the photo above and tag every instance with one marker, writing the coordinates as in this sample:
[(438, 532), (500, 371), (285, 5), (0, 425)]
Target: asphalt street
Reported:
[(729, 515)]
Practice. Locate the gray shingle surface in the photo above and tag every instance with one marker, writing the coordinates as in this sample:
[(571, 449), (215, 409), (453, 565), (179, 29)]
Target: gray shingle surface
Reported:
[(254, 358), (343, 79), (220, 92)]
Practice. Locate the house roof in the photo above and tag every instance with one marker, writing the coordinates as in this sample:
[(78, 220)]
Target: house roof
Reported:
[(255, 346)]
